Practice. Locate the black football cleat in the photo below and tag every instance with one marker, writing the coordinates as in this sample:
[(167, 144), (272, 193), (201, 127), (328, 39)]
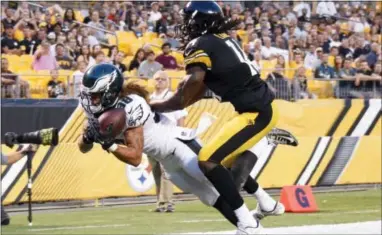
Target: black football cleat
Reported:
[(279, 136)]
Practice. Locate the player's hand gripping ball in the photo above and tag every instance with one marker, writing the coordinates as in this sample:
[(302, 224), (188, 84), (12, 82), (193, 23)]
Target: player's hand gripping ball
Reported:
[(112, 122)]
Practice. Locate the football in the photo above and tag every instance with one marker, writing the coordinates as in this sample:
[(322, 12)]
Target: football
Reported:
[(114, 119)]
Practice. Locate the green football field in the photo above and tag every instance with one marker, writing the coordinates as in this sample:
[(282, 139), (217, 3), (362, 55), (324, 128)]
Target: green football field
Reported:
[(192, 216)]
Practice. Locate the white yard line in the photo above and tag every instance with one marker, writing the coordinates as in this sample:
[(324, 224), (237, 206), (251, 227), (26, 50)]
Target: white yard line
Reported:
[(201, 220), (78, 227), (304, 214), (371, 227)]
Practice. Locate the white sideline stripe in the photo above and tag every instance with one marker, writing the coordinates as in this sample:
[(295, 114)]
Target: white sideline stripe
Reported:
[(201, 220), (370, 227), (12, 174), (305, 214), (78, 227), (18, 166), (317, 156), (368, 117)]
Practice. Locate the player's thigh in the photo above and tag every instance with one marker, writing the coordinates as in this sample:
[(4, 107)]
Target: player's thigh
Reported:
[(238, 135), (203, 190)]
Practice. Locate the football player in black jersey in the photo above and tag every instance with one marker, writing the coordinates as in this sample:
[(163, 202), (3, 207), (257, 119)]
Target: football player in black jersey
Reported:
[(215, 61)]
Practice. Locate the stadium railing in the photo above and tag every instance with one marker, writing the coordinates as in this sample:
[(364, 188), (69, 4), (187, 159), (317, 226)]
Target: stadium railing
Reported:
[(287, 89)]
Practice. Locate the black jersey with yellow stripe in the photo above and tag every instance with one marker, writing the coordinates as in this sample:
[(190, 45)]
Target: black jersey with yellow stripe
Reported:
[(229, 74)]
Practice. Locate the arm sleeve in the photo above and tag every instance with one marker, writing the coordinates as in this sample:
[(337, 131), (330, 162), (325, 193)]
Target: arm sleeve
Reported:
[(195, 54), (4, 159), (137, 112)]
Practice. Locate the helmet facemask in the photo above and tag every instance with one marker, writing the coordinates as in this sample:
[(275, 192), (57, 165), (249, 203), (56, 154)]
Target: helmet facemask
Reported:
[(101, 96)]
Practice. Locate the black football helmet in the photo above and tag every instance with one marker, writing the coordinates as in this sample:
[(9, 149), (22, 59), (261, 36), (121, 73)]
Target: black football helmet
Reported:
[(100, 89), (200, 17)]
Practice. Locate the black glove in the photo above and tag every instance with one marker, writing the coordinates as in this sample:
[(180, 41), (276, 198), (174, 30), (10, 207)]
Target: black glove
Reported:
[(92, 130), (93, 134)]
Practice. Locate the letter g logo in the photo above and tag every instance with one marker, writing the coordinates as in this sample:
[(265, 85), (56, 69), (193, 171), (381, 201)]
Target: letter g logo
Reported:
[(301, 198)]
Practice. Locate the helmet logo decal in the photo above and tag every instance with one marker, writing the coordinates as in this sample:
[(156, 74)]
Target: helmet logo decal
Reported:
[(103, 82), (194, 14)]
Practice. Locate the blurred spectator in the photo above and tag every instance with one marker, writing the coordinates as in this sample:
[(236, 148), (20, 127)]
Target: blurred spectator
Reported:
[(344, 49), (311, 60), (326, 8), (257, 60), (41, 36), (233, 34), (87, 19), (9, 20), (372, 57), (92, 37), (99, 57), (9, 45), (72, 48), (338, 65), (149, 67), (8, 80), (95, 50), (95, 22), (56, 89), (302, 9), (139, 57), (51, 38), (64, 61), (164, 187), (162, 24), (77, 76), (170, 38), (300, 87), (247, 51), (155, 15), (279, 84), (347, 72), (324, 71), (61, 39), (267, 51), (118, 61), (165, 59), (29, 44), (69, 19), (296, 60), (365, 84), (85, 56), (43, 58), (113, 51)]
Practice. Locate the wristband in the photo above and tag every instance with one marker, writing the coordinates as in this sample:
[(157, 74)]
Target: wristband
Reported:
[(113, 148)]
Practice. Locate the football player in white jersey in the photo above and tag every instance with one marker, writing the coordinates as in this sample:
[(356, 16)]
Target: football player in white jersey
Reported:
[(145, 131)]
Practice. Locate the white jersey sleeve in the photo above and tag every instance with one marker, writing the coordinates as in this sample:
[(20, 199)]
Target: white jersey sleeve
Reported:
[(137, 110)]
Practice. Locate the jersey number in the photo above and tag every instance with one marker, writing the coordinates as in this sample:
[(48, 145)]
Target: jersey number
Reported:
[(241, 56), (123, 102)]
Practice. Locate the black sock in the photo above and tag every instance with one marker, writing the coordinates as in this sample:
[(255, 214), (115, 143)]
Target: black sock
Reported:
[(226, 210), (242, 167), (221, 178), (251, 185)]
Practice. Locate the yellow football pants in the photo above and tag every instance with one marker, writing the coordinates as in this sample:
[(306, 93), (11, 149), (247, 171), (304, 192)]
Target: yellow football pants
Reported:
[(238, 135)]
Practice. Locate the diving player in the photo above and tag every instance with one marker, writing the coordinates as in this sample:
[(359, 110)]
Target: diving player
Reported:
[(173, 146), (216, 62)]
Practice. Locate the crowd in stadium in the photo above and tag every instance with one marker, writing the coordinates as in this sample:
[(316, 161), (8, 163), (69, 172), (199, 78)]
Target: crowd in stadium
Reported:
[(289, 42)]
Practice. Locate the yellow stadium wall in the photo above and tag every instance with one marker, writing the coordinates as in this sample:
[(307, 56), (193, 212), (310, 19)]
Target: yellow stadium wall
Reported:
[(323, 128)]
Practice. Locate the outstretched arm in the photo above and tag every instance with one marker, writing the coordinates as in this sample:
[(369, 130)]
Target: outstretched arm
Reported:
[(131, 151), (190, 90)]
